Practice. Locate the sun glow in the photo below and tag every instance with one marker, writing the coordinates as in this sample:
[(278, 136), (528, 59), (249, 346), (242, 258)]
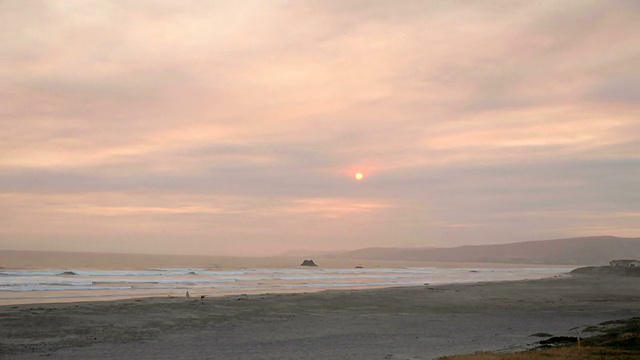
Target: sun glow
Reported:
[(359, 176)]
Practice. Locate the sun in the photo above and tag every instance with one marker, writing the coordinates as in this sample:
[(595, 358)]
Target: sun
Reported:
[(359, 176)]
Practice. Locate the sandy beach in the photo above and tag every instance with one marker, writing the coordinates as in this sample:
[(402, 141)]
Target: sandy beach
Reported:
[(396, 323)]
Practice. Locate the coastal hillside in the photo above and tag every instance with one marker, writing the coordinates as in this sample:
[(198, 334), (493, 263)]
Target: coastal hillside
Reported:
[(595, 250)]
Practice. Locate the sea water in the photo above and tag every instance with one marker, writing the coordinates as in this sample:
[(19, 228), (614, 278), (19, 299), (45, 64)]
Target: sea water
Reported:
[(63, 285)]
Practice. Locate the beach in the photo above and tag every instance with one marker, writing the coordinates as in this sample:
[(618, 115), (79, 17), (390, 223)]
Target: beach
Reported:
[(30, 286), (419, 322)]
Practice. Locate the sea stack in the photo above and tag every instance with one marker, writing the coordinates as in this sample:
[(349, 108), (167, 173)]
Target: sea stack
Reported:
[(308, 263)]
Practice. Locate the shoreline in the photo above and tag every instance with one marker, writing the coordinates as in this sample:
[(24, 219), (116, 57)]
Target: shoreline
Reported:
[(197, 296), (53, 286), (416, 322)]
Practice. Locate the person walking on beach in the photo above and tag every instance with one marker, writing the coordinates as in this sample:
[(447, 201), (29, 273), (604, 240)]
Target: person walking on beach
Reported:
[(187, 294)]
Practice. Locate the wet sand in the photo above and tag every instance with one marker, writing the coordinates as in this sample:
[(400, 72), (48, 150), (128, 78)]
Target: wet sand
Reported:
[(397, 323)]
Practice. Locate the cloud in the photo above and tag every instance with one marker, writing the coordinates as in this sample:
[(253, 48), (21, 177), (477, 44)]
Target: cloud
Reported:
[(457, 113)]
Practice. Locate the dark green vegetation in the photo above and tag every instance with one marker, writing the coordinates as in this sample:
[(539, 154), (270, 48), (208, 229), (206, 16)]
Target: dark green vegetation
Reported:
[(616, 339)]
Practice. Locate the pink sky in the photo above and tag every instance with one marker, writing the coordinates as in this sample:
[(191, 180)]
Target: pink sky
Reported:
[(236, 127)]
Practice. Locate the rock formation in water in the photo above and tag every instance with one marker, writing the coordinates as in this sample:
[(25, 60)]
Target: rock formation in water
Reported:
[(308, 263)]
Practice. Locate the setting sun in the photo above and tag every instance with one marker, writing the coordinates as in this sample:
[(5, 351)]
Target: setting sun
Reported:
[(359, 176)]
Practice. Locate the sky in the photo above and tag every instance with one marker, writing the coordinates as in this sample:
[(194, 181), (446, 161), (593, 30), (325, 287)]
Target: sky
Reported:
[(237, 127)]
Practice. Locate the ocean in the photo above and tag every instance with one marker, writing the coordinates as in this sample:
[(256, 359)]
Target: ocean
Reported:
[(20, 285)]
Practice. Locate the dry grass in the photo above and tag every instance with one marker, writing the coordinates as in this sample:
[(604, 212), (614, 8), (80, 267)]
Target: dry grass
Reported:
[(565, 353), (618, 340)]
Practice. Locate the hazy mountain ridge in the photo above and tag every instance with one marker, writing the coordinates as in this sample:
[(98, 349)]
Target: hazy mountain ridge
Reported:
[(593, 250)]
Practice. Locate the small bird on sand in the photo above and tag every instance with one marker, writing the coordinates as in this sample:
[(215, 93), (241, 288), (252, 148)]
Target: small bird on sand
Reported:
[(187, 295)]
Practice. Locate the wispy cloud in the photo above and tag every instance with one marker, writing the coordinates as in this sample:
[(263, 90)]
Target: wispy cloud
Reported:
[(245, 121)]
